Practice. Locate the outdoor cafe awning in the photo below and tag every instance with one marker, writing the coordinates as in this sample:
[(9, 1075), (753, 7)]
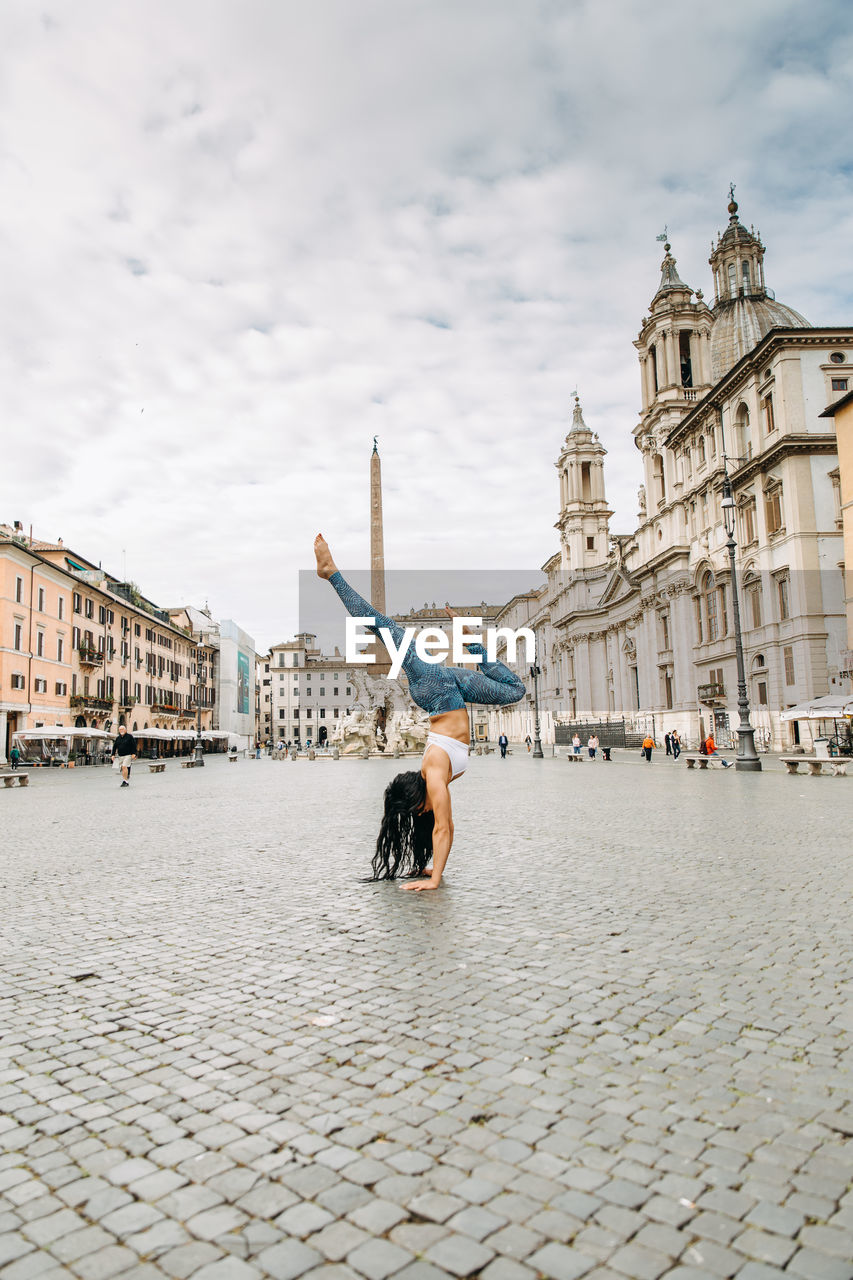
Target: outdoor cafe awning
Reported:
[(60, 731), (833, 706)]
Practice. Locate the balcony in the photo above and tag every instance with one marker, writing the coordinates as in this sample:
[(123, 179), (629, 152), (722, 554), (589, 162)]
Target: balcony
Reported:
[(166, 709), (711, 693), (87, 703), (89, 656)]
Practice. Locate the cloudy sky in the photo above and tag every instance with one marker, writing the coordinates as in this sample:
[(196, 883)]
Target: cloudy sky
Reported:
[(239, 239)]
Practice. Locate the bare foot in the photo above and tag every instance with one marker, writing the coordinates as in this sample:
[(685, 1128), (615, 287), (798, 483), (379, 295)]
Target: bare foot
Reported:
[(420, 885), (325, 564)]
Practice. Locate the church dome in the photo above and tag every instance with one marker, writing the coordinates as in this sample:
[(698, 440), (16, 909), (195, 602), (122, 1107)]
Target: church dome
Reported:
[(744, 308), (741, 323)]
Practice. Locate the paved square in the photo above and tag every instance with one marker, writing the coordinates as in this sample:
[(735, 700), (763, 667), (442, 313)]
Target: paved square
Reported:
[(615, 1044)]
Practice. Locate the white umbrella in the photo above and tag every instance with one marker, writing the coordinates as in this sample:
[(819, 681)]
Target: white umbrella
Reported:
[(60, 732), (832, 706)]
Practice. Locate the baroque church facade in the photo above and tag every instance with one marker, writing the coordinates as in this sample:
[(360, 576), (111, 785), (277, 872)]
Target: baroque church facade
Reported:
[(638, 627)]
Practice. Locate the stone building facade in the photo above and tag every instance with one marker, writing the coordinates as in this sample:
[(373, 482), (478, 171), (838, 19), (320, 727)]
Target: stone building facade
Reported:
[(309, 691), (638, 627), (80, 648)]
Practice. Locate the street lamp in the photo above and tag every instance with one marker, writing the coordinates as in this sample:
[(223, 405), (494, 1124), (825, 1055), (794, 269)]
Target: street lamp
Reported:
[(535, 673), (747, 757), (198, 750), (472, 743)]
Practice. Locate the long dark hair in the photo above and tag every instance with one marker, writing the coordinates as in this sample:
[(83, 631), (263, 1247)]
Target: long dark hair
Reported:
[(404, 846)]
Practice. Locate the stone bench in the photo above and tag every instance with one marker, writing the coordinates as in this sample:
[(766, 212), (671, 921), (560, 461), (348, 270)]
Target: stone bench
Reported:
[(838, 768), (15, 779), (156, 768), (692, 758), (572, 757), (188, 764)]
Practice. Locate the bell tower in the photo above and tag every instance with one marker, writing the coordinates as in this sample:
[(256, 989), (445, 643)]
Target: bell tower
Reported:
[(674, 347), (584, 522)]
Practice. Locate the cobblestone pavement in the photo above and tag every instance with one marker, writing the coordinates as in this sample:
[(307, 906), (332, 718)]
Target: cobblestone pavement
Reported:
[(615, 1044)]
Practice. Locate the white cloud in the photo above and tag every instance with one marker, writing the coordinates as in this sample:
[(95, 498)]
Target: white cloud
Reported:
[(237, 241)]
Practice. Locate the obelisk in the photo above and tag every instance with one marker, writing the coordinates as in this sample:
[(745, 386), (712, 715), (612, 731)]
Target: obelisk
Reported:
[(377, 569), (377, 542)]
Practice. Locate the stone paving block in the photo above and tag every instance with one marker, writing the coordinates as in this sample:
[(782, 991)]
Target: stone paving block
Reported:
[(103, 1202), (435, 1206), (715, 1226), (560, 1262), (122, 1175), (417, 1237), (302, 1219), (809, 1265), (228, 1269), (824, 1239), (337, 1239), (105, 1263), (68, 1248), (715, 1258), (758, 1271), (506, 1269), (344, 1198), (267, 1200), (159, 1239), (12, 1246), (639, 1263), (131, 1218), (39, 1207), (287, 1260), (187, 1259), (378, 1259), (764, 1246), (188, 1201), (31, 1265), (459, 1255), (378, 1216), (44, 1230)]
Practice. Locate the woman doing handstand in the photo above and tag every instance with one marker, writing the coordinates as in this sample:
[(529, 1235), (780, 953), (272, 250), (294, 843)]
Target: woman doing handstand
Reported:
[(418, 822)]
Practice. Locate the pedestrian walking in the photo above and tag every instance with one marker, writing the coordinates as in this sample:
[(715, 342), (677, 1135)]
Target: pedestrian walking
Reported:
[(124, 754), (667, 742), (503, 743), (592, 745), (14, 757), (675, 739), (576, 744), (648, 746), (711, 750), (528, 742)]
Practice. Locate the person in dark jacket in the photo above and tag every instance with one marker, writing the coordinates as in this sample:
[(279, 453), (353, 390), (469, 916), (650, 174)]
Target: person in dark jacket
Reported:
[(124, 753), (503, 743)]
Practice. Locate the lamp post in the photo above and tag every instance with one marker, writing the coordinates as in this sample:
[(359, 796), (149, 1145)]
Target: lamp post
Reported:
[(747, 756), (198, 750), (472, 743), (535, 672)]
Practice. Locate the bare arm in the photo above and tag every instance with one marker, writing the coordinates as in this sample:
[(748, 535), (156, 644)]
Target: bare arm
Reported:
[(442, 834)]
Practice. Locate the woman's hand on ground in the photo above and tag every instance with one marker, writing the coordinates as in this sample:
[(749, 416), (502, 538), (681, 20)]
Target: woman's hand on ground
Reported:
[(419, 885)]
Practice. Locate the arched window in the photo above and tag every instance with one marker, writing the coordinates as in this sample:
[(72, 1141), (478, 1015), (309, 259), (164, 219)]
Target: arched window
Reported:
[(709, 596), (743, 437), (586, 487), (653, 355), (746, 278), (732, 280)]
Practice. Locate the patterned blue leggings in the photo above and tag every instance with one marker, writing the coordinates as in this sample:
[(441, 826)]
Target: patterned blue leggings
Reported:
[(437, 688)]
